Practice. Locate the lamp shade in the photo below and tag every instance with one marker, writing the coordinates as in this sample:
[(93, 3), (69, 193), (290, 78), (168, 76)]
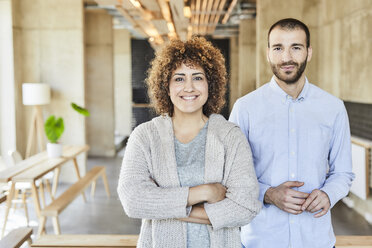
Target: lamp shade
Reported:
[(35, 93)]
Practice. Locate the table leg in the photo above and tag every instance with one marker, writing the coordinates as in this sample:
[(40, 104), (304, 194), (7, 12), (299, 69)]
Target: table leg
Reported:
[(78, 176), (42, 194), (35, 195), (106, 183), (57, 171), (57, 229), (47, 184), (8, 206)]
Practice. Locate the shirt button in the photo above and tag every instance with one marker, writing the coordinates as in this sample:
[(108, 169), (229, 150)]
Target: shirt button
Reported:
[(292, 130), (291, 221), (292, 175), (291, 109), (292, 153)]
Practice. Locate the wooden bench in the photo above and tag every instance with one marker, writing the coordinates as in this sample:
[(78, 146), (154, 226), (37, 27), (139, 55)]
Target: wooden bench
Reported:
[(2, 198), (16, 238), (60, 203), (99, 240), (86, 240), (353, 241)]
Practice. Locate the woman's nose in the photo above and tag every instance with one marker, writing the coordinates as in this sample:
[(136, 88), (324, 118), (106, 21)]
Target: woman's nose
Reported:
[(189, 86)]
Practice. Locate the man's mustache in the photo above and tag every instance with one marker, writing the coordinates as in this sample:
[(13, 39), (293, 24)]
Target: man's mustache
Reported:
[(289, 63)]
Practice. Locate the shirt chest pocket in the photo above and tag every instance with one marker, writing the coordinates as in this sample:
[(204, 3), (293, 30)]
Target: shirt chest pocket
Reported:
[(262, 135), (318, 142)]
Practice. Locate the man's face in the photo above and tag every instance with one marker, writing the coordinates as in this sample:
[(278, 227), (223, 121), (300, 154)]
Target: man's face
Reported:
[(288, 54)]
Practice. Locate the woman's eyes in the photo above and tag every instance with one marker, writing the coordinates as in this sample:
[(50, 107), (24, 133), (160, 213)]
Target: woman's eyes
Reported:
[(180, 79)]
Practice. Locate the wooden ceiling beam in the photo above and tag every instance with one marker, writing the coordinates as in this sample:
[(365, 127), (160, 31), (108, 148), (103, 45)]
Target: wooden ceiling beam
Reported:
[(218, 15), (167, 15), (229, 10), (129, 18), (197, 16), (180, 22), (207, 16), (213, 14), (202, 16)]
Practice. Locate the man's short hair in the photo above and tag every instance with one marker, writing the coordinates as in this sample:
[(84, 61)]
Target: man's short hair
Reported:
[(290, 24)]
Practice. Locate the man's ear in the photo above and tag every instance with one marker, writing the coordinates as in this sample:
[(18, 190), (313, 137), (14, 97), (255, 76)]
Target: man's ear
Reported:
[(267, 54), (309, 53)]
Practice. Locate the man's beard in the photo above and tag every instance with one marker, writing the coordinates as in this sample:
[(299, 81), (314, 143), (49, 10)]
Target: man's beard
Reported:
[(291, 80)]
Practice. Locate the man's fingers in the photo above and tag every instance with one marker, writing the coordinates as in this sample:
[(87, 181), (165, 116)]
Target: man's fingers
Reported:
[(293, 206), (292, 184), (297, 201), (292, 211), (320, 214), (299, 194), (308, 201), (313, 205)]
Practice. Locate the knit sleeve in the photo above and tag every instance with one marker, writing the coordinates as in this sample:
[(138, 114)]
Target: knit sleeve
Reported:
[(241, 204), (139, 194)]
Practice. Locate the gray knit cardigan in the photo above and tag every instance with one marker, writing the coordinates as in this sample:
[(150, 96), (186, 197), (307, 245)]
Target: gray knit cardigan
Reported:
[(149, 187)]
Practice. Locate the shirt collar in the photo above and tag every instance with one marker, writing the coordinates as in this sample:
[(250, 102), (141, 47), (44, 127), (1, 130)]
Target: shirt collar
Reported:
[(281, 93)]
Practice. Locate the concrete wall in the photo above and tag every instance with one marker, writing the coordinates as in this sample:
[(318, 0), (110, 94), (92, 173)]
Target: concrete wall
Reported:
[(234, 71), (49, 48), (100, 82), (122, 82), (247, 58), (7, 81), (345, 48)]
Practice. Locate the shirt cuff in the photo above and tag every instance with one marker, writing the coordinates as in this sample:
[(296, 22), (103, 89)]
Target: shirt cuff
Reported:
[(263, 189)]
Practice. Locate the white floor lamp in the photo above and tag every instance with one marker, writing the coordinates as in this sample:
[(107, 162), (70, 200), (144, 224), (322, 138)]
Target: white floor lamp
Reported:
[(36, 94)]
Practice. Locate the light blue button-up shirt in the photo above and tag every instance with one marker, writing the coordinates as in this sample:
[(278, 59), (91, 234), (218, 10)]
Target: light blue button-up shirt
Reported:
[(305, 139)]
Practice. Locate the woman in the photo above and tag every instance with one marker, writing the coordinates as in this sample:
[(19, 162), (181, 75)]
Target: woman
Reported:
[(188, 173)]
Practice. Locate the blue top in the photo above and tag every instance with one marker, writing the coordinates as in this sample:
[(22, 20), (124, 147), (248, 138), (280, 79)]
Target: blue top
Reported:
[(190, 159), (305, 139)]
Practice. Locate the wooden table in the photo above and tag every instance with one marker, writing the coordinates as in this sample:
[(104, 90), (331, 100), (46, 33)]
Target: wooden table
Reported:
[(88, 240), (353, 241), (34, 168)]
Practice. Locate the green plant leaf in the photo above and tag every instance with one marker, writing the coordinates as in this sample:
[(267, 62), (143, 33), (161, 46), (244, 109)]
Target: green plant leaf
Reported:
[(80, 110), (54, 128)]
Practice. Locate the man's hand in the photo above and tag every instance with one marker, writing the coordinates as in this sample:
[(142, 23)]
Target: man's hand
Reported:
[(316, 201), (285, 198)]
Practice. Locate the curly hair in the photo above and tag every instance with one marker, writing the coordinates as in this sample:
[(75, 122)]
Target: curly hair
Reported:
[(194, 52)]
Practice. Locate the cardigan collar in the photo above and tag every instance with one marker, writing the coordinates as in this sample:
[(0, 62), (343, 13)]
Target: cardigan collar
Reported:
[(218, 128)]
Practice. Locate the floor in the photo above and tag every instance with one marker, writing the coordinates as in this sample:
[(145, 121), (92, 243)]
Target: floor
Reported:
[(103, 215)]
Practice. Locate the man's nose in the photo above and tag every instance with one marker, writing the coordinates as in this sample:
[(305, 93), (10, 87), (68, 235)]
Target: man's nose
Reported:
[(287, 56)]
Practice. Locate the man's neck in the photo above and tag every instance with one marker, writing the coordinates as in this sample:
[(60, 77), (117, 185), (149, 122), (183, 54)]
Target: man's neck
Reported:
[(294, 89)]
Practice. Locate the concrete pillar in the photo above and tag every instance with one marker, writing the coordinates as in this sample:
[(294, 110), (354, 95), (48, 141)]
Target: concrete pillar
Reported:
[(270, 11), (100, 82), (247, 56), (7, 81), (234, 71), (49, 48), (122, 82)]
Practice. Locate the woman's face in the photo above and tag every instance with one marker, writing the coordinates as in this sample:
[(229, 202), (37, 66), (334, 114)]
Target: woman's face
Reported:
[(188, 89)]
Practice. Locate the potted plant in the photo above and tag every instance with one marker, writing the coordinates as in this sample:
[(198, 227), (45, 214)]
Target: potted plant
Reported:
[(54, 128)]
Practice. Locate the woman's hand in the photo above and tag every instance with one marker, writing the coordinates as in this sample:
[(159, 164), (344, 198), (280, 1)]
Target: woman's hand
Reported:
[(210, 193), (217, 192)]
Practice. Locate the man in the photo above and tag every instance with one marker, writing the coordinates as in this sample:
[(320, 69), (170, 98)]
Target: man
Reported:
[(300, 140)]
